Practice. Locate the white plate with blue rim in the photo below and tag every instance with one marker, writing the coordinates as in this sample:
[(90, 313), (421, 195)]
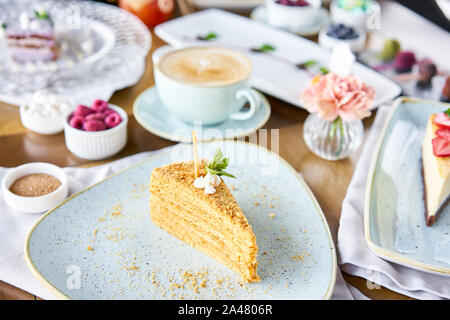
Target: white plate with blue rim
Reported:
[(151, 114), (104, 236), (394, 218), (322, 19)]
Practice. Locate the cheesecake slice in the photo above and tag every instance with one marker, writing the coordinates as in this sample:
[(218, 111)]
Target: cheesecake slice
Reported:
[(208, 219), (31, 38), (436, 166)]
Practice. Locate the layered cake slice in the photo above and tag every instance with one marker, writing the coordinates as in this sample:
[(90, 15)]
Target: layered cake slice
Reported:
[(31, 38), (203, 213), (436, 165)]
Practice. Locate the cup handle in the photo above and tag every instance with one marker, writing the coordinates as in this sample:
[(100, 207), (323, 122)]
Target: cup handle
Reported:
[(254, 100)]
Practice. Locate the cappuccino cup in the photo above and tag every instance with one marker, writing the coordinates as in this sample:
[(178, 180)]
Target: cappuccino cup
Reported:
[(206, 84)]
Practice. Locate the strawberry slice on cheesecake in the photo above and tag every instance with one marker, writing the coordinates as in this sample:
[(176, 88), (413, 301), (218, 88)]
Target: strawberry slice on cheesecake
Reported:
[(436, 165)]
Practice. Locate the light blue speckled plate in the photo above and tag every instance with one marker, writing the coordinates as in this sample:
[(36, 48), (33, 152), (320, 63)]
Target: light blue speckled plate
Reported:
[(133, 259), (395, 211), (153, 116)]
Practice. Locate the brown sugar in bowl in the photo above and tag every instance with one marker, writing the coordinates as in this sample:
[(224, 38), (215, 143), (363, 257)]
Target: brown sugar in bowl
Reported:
[(34, 187)]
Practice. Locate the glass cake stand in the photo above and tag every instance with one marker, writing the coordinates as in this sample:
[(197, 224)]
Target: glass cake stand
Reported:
[(101, 48)]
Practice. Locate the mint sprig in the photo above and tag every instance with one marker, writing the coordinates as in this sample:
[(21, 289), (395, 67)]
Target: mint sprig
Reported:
[(218, 165), (447, 112)]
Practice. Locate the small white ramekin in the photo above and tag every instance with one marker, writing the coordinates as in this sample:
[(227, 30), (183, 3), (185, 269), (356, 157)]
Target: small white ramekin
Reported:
[(350, 18), (356, 45), (41, 125), (34, 204), (97, 145), (292, 18)]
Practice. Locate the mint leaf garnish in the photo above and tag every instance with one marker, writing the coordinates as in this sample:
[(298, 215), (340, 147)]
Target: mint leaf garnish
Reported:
[(208, 36), (267, 47), (324, 70), (307, 64), (4, 25), (218, 165), (264, 48), (41, 14), (447, 112), (211, 36)]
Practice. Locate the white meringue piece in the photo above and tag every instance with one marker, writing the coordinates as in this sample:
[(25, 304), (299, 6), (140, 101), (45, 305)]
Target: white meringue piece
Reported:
[(199, 183), (34, 25), (209, 189), (46, 104), (24, 20), (208, 182), (212, 179)]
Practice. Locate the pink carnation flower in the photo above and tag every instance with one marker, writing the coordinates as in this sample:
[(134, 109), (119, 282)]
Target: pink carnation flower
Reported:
[(333, 96)]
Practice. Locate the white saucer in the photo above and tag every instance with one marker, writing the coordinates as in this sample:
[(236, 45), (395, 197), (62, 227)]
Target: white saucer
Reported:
[(154, 117), (323, 18)]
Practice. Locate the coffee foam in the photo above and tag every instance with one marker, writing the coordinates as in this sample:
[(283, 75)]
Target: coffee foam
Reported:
[(205, 66)]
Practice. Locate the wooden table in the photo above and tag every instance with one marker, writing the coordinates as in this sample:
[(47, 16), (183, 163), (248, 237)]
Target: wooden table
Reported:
[(18, 146)]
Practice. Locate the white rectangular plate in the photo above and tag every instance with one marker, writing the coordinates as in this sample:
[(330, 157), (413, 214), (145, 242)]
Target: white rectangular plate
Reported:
[(273, 73)]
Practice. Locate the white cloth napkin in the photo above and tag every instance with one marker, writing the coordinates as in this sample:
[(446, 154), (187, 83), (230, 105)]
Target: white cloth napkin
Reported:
[(14, 228), (345, 291), (356, 258)]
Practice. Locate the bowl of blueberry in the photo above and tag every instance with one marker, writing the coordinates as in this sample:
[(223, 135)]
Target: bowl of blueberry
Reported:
[(96, 132), (333, 34), (292, 14)]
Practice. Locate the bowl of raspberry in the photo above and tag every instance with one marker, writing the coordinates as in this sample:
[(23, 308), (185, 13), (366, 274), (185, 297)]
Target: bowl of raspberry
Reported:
[(96, 132), (292, 14)]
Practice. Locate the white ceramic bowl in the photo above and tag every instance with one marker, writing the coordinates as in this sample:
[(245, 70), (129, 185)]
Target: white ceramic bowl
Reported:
[(292, 18), (356, 45), (41, 125), (351, 18), (96, 145), (34, 204)]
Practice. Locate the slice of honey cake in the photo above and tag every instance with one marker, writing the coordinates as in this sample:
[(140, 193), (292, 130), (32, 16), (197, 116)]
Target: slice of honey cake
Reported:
[(203, 213)]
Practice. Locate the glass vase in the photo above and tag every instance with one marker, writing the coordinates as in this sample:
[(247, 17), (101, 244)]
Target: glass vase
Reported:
[(332, 140)]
